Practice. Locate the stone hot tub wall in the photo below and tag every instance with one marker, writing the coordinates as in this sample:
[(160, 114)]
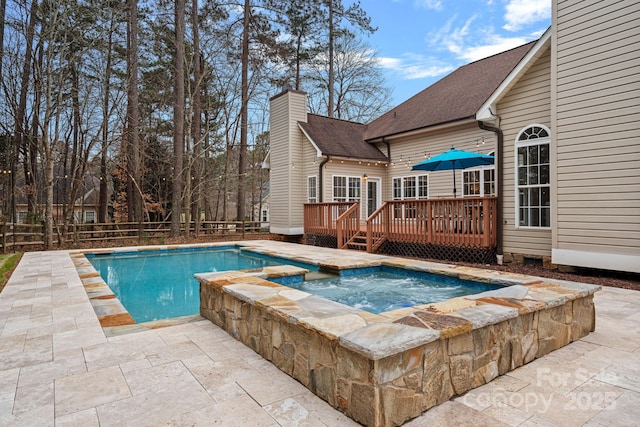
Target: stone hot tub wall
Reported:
[(385, 369)]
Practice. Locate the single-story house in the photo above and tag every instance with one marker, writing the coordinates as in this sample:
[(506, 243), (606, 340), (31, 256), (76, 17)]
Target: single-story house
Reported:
[(561, 115)]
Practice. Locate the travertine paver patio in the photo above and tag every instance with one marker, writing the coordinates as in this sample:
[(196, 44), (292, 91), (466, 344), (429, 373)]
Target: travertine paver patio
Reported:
[(57, 367)]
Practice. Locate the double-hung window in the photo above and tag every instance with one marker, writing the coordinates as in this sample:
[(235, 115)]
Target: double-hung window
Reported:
[(479, 182), (312, 189), (409, 188), (346, 188), (533, 187)]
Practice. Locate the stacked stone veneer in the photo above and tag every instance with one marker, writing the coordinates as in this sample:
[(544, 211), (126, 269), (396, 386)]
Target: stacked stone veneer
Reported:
[(386, 369)]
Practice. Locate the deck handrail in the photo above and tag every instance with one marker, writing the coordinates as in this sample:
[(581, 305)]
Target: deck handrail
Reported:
[(376, 232), (348, 225)]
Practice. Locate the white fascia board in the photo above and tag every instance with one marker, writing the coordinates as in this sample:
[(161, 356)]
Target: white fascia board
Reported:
[(488, 110), (318, 151), (604, 261)]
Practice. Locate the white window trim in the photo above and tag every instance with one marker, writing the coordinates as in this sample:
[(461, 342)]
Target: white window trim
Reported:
[(348, 177), (516, 195), (365, 194), (87, 213), (481, 169), (415, 177), (309, 177)]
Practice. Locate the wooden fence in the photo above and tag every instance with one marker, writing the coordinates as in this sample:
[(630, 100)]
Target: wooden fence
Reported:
[(22, 236)]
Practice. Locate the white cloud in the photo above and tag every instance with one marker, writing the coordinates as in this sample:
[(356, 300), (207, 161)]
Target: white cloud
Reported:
[(491, 47), (469, 42), (520, 13), (429, 4), (415, 66)]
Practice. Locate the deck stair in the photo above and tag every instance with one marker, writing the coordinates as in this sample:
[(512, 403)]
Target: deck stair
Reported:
[(358, 241)]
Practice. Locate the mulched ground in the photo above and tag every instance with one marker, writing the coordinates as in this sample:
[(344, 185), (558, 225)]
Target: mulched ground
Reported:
[(585, 275)]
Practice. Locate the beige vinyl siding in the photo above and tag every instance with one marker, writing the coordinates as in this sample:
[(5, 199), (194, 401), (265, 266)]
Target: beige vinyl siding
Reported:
[(406, 152), (286, 207), (598, 127), (527, 103)]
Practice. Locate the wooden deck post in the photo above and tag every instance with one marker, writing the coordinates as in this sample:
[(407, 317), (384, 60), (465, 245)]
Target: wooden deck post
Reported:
[(486, 232)]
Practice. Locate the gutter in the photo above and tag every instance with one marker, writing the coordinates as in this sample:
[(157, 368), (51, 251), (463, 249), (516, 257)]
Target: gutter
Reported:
[(500, 168), (322, 163)]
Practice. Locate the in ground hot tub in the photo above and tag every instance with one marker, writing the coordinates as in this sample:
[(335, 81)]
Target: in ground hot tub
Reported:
[(384, 369)]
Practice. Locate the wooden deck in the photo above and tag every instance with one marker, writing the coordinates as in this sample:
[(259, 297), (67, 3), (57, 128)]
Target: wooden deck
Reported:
[(469, 222)]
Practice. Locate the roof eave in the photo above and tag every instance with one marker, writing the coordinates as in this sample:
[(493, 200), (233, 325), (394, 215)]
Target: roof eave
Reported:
[(318, 150), (488, 110), (437, 126), (359, 159)]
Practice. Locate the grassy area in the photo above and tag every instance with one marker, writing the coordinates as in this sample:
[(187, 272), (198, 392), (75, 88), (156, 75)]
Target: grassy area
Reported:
[(7, 264)]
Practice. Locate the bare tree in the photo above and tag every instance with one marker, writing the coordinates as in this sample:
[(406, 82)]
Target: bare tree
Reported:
[(360, 85), (244, 115), (355, 16), (196, 131), (178, 118), (134, 170), (3, 10)]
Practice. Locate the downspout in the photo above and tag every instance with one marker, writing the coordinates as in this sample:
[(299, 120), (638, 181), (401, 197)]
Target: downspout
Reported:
[(500, 168), (388, 148), (320, 186)]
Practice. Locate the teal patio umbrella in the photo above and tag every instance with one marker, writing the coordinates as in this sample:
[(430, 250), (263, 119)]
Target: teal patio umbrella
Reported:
[(452, 160)]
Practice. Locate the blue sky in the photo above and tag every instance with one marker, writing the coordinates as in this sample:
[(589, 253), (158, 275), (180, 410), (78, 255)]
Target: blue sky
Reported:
[(420, 41)]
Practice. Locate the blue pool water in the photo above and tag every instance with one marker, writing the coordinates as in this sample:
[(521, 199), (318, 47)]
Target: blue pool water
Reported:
[(160, 284), (381, 289)]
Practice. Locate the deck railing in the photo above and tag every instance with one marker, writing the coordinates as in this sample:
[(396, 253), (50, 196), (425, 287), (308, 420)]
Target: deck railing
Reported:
[(468, 222), (321, 218), (348, 225)]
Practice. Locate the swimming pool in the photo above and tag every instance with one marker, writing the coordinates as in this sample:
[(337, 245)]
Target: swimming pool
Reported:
[(381, 289), (159, 284)]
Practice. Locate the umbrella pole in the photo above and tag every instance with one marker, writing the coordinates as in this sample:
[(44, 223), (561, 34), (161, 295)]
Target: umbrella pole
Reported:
[(454, 182)]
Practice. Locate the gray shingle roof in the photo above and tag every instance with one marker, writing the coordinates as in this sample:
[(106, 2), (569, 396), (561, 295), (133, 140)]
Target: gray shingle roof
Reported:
[(457, 96), (340, 138)]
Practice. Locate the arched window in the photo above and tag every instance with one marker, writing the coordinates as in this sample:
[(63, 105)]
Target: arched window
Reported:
[(533, 187)]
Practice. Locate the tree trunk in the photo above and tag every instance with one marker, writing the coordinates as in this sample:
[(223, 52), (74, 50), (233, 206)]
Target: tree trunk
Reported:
[(197, 113), (244, 116), (48, 189), (20, 137), (134, 169), (103, 203), (331, 70), (178, 119), (3, 8)]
